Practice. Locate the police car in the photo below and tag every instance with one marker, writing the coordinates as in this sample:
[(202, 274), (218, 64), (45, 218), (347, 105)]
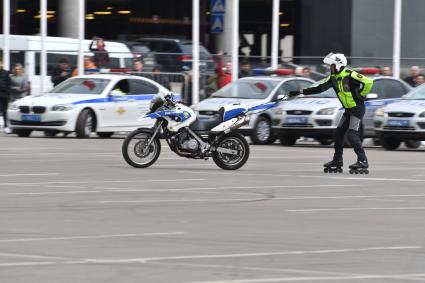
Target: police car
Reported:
[(317, 116), (403, 120), (254, 91), (84, 104)]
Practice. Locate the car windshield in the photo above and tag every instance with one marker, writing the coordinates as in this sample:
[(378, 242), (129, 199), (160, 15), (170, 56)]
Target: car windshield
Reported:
[(82, 86), (416, 93), (330, 93), (250, 89)]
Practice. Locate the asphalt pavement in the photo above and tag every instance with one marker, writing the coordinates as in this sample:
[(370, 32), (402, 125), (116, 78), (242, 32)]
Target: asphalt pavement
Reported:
[(73, 211)]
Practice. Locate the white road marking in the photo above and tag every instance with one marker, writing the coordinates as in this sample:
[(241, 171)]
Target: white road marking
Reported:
[(94, 182), (30, 256), (241, 255), (119, 190), (91, 237), (29, 174), (314, 278), (356, 209)]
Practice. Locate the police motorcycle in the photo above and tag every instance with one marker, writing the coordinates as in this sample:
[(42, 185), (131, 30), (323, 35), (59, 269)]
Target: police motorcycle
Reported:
[(189, 135)]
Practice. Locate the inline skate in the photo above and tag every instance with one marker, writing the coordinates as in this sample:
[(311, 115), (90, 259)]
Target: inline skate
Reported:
[(360, 167), (334, 166)]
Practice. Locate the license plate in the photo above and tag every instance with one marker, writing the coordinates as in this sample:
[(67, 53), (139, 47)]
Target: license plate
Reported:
[(31, 118), (296, 120), (398, 123)]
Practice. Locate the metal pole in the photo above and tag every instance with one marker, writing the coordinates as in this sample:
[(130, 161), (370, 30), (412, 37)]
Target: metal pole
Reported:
[(43, 58), (397, 38), (81, 35), (275, 34), (6, 33), (195, 51), (235, 40)]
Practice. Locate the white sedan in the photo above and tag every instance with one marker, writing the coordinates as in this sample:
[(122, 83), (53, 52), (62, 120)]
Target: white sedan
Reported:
[(91, 103)]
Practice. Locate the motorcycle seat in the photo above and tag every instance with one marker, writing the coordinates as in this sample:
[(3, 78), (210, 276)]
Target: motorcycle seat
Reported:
[(206, 122)]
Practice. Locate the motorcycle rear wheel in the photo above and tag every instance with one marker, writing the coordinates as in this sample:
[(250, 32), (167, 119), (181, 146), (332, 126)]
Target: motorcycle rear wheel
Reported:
[(227, 161), (135, 151)]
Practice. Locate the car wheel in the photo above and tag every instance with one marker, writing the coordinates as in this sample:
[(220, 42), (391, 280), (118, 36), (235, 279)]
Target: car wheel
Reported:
[(412, 143), (50, 134), (325, 141), (105, 135), (390, 143), (263, 133), (85, 124), (22, 133), (287, 140)]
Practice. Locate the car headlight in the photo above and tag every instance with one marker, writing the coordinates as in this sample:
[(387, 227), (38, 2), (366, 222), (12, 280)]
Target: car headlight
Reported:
[(422, 115), (380, 112), (62, 107), (327, 111), (13, 107)]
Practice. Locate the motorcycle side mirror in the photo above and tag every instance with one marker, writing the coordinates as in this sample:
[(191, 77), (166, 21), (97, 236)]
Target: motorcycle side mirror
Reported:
[(371, 96)]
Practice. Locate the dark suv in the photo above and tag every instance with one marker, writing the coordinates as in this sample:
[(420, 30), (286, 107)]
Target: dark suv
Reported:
[(175, 55)]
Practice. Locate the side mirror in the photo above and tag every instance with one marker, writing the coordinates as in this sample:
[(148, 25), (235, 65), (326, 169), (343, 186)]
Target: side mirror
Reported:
[(115, 93), (371, 96), (281, 97)]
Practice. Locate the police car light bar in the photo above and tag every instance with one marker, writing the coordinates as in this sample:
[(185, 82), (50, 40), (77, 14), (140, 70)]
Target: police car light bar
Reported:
[(368, 71), (268, 72)]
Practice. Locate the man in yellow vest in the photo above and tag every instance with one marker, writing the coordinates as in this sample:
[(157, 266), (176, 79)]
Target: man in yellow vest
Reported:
[(351, 89)]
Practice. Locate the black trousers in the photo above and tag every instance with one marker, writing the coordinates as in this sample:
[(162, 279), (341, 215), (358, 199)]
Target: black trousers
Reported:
[(4, 102), (350, 125)]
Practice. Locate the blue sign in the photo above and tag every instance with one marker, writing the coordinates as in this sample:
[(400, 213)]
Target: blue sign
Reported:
[(217, 23), (218, 6)]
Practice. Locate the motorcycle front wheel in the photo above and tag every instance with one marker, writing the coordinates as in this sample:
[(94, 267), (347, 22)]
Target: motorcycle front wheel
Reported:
[(228, 161), (135, 148)]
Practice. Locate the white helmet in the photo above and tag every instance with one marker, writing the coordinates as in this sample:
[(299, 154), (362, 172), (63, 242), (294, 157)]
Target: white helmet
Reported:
[(337, 59)]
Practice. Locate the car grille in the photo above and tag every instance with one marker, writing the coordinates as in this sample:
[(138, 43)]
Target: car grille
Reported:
[(209, 113), (378, 124), (34, 123), (324, 122), (399, 128), (35, 109), (400, 114), (421, 125), (297, 125), (298, 112)]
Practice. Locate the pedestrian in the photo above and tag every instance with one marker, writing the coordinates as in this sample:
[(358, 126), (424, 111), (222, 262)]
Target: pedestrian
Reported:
[(245, 69), (414, 71), (4, 95), (62, 72), (420, 79), (19, 84), (386, 71), (137, 66), (89, 66), (351, 88), (306, 72), (160, 78), (224, 74), (101, 56)]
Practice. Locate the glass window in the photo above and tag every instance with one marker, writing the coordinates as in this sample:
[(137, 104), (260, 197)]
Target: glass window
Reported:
[(379, 89), (82, 86), (139, 87), (304, 84), (416, 93), (288, 86), (394, 89), (52, 61), (122, 86), (250, 89)]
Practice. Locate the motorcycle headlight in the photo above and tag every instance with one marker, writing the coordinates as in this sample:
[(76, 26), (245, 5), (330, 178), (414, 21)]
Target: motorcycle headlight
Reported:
[(380, 112), (422, 115), (327, 111), (13, 107), (62, 107)]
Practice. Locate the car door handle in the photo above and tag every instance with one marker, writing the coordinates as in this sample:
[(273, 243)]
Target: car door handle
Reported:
[(132, 100)]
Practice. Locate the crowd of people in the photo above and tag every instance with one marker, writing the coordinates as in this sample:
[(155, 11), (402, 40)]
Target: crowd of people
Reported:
[(16, 84)]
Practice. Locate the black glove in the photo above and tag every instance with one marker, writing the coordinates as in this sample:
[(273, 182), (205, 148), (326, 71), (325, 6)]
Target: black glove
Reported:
[(294, 93)]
